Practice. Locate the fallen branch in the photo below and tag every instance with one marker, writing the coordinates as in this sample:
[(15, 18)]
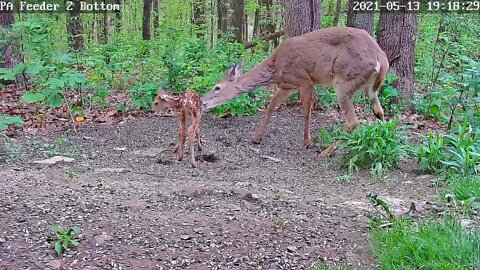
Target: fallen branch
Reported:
[(265, 38)]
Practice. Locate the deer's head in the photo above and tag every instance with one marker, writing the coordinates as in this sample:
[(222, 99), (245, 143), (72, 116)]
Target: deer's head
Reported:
[(226, 89), (164, 100)]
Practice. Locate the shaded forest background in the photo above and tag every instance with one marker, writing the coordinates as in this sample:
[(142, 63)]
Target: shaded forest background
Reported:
[(89, 63)]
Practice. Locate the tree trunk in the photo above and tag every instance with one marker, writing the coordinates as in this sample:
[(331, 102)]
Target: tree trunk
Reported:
[(199, 16), (257, 18), (75, 28), (118, 17), (330, 7), (360, 20), (301, 16), (396, 36), (237, 19), (337, 12), (101, 27), (222, 14), (156, 17), (147, 11), (10, 53)]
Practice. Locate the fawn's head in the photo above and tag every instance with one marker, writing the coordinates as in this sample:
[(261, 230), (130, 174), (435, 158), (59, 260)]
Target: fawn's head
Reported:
[(164, 100), (225, 89)]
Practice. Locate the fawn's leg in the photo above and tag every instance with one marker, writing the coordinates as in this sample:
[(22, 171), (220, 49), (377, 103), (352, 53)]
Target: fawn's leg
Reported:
[(306, 95), (192, 132), (181, 137), (274, 103), (199, 141)]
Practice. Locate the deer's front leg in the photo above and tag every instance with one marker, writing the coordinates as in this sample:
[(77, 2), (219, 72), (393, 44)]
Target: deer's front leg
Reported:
[(199, 140), (306, 95), (181, 137), (274, 103)]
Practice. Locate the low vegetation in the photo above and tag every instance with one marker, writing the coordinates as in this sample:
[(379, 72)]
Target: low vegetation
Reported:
[(64, 238)]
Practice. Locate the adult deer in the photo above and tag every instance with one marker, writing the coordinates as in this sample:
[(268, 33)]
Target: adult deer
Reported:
[(347, 58)]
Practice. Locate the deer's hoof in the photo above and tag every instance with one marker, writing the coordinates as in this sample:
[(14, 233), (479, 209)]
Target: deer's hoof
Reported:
[(306, 145), (194, 164), (200, 148), (179, 157), (256, 139)]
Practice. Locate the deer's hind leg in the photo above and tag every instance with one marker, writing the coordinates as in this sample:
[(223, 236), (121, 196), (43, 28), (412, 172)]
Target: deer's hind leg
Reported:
[(182, 134), (192, 134), (281, 94), (199, 140), (306, 96), (345, 92)]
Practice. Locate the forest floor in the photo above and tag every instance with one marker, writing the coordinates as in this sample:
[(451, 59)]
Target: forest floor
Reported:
[(138, 209)]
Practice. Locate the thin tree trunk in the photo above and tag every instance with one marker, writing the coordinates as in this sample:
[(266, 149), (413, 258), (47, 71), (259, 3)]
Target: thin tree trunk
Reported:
[(396, 36), (118, 17), (331, 4), (147, 11), (301, 16), (75, 28), (256, 20), (338, 8), (361, 20), (199, 16), (156, 17), (222, 14), (237, 19)]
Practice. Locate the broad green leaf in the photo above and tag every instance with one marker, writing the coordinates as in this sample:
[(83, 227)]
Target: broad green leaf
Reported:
[(34, 70), (55, 100), (58, 247), (30, 97)]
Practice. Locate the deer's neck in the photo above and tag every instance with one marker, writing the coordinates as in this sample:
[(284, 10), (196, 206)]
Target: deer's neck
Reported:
[(260, 75)]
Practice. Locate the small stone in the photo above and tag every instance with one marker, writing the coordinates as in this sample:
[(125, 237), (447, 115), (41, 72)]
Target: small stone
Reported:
[(185, 237), (99, 240), (55, 160), (291, 249), (249, 197)]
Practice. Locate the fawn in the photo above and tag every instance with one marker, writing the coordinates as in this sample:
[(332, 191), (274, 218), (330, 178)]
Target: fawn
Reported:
[(186, 105)]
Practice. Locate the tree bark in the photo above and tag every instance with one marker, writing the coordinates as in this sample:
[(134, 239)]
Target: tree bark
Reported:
[(360, 20), (237, 19), (199, 16), (147, 11), (10, 55), (102, 28), (396, 36), (337, 12), (118, 18), (75, 28), (330, 7), (156, 17), (301, 16), (222, 14)]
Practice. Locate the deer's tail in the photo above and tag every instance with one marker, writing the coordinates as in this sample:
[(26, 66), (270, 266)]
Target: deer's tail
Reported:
[(382, 73)]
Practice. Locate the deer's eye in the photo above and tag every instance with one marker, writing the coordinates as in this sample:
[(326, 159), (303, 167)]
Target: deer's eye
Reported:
[(156, 102), (216, 89)]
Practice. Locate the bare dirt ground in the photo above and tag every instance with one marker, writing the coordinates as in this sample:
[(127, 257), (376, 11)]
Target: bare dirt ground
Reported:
[(139, 210)]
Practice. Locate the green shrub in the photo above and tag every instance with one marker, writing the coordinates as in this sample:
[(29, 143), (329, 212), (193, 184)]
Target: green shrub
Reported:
[(439, 245), (430, 152), (378, 147), (7, 120), (462, 154), (246, 104)]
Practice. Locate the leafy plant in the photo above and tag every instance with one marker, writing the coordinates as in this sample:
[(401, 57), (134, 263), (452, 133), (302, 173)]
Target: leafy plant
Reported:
[(462, 151), (64, 238), (378, 147), (328, 135), (430, 152), (7, 120), (246, 104), (389, 97), (377, 202)]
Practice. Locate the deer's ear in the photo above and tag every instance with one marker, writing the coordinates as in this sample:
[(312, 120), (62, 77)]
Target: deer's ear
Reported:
[(239, 69), (235, 71)]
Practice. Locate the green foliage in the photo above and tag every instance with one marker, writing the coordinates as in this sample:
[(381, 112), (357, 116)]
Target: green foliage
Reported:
[(437, 245), (377, 202), (7, 120), (464, 192), (378, 147), (462, 154), (389, 97), (430, 152), (64, 238), (246, 104), (328, 135)]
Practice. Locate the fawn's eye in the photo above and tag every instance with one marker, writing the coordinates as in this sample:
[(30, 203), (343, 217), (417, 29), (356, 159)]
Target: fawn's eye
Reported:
[(216, 89), (156, 102)]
